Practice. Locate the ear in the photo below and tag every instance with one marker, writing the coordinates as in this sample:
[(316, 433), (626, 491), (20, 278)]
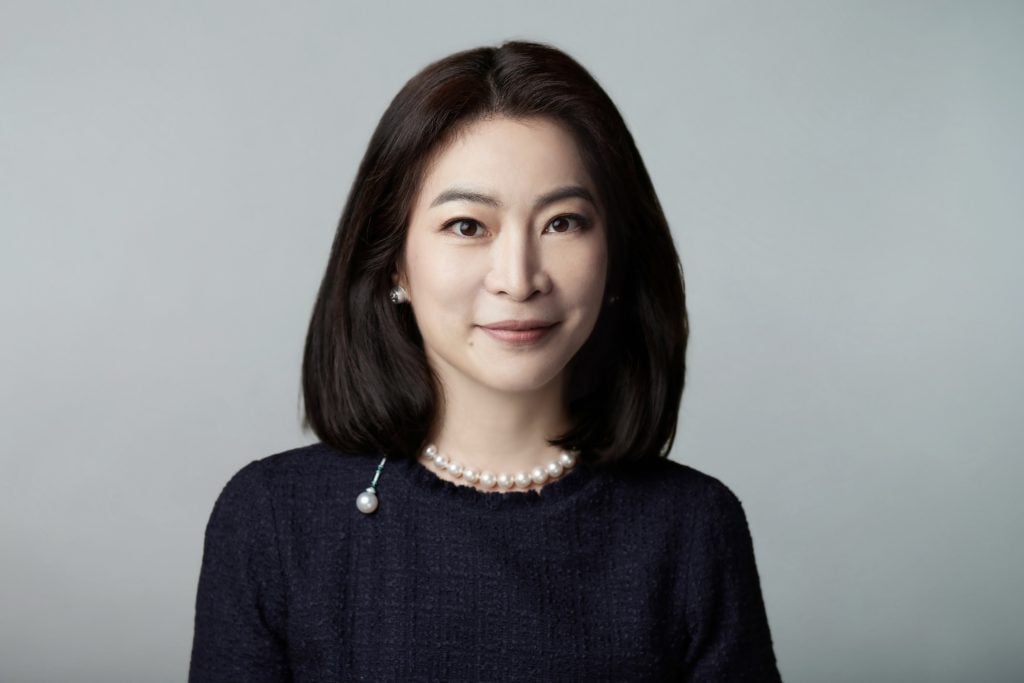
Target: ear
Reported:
[(398, 270)]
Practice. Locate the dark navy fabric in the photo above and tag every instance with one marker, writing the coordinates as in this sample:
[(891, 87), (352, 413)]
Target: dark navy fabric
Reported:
[(638, 573)]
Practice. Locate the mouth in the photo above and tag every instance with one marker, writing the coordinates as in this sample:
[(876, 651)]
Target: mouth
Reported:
[(520, 337)]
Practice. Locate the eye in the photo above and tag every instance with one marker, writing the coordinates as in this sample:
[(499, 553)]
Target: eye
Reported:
[(456, 222), (580, 220)]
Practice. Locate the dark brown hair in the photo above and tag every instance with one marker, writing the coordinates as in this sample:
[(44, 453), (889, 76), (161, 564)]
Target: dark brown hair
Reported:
[(366, 383)]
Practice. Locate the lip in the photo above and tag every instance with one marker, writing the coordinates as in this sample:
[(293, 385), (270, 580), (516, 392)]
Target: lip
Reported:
[(518, 325), (519, 337)]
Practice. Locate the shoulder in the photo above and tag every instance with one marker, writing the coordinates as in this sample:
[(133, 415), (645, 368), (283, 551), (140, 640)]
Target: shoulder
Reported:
[(312, 462), (678, 483), (289, 477), (694, 500)]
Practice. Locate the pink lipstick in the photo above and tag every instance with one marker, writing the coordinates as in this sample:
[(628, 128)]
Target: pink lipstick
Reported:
[(519, 332)]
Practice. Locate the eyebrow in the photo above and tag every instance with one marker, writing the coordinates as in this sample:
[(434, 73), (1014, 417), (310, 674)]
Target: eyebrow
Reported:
[(460, 194)]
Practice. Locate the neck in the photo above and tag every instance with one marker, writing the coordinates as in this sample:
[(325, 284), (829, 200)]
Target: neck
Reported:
[(500, 431)]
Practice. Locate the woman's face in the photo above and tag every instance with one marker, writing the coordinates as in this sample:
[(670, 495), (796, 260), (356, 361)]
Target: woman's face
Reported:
[(502, 229)]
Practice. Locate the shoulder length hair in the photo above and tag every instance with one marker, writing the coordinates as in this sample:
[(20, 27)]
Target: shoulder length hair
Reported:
[(366, 383)]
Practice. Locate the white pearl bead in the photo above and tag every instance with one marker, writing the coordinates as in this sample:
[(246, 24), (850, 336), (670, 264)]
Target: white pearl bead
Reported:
[(367, 501), (537, 475)]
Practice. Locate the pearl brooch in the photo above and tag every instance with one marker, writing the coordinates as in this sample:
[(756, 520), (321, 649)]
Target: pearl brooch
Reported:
[(366, 502), (504, 480)]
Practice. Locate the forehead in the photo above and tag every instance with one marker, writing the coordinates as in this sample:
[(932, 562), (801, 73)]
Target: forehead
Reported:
[(515, 158)]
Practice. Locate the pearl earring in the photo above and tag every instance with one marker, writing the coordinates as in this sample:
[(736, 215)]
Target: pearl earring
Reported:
[(399, 295)]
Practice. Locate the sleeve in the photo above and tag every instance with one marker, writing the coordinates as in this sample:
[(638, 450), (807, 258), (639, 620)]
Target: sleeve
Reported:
[(240, 602), (730, 639)]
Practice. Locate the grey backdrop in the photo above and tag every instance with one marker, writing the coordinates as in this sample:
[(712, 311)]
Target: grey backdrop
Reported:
[(844, 183)]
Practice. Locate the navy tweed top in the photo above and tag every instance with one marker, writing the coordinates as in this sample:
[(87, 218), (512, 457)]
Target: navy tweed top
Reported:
[(643, 572)]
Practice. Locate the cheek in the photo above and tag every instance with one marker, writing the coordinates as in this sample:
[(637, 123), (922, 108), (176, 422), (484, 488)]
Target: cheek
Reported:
[(434, 273), (443, 292), (451, 283), (588, 275)]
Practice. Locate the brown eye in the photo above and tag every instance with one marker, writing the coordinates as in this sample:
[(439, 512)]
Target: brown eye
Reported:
[(458, 223), (562, 223)]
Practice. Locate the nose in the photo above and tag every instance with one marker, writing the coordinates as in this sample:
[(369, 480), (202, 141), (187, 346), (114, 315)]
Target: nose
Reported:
[(517, 268)]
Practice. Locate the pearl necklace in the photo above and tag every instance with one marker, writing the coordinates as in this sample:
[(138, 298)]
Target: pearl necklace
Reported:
[(504, 480), (366, 502)]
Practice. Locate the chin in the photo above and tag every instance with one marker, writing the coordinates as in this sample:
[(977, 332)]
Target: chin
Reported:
[(520, 379)]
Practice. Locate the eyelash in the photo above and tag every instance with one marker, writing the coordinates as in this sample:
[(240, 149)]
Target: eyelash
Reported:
[(584, 223)]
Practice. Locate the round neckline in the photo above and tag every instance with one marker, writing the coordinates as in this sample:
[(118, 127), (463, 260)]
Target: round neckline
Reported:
[(429, 487)]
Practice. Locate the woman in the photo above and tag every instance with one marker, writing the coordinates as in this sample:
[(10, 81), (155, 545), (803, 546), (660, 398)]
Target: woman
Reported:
[(494, 369)]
